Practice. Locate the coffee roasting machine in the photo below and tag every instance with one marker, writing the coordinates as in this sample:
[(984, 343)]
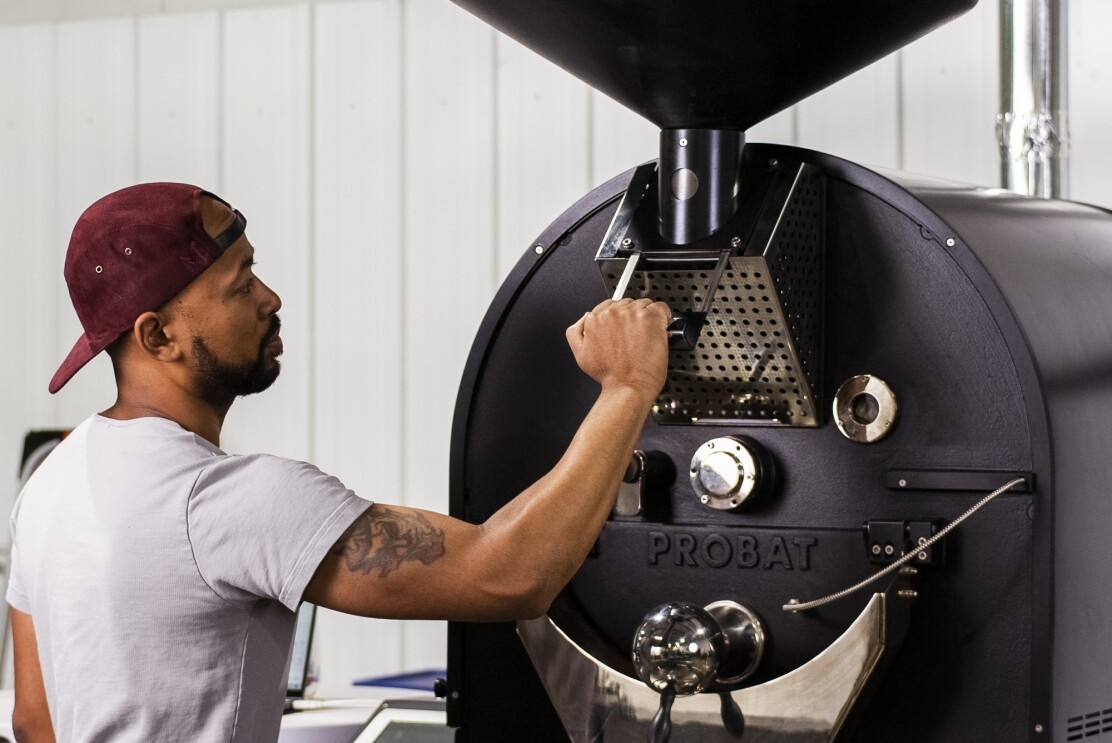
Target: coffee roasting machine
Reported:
[(859, 360)]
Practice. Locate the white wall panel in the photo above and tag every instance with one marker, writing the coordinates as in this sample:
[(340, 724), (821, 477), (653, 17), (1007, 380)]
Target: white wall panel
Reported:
[(450, 258), (266, 164), (1090, 101), (620, 139), (30, 262), (854, 118), (950, 88), (179, 99), (359, 302), (543, 153), (96, 155), (778, 128)]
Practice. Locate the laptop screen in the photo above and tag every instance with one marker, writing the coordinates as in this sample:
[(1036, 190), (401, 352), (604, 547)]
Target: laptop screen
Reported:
[(299, 652)]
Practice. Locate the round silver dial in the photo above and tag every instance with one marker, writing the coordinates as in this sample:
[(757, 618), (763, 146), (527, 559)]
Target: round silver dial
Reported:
[(724, 473)]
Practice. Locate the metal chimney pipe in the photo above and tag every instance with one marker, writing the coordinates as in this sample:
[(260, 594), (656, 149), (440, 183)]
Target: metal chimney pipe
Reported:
[(1032, 128)]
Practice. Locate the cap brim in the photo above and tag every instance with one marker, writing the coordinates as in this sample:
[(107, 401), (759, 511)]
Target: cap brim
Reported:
[(82, 353)]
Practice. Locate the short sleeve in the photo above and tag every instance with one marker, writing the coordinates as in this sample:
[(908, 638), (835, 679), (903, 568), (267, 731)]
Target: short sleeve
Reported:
[(260, 525), (16, 595)]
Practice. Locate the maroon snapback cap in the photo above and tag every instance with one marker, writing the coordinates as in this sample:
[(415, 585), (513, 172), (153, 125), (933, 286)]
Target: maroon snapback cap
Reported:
[(132, 252)]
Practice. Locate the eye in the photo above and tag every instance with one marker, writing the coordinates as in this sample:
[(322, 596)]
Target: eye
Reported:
[(248, 286)]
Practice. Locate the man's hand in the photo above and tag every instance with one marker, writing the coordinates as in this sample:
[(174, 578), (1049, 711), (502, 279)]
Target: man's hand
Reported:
[(624, 343)]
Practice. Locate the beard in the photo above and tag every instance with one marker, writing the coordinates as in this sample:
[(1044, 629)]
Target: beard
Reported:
[(222, 382)]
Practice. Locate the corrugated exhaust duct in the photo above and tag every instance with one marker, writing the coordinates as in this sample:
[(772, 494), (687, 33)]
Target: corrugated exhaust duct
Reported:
[(1033, 128)]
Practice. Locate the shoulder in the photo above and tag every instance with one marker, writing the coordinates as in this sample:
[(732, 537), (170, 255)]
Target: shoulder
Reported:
[(264, 475)]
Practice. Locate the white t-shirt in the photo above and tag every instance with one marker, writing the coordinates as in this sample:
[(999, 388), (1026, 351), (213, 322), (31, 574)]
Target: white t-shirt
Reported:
[(163, 576)]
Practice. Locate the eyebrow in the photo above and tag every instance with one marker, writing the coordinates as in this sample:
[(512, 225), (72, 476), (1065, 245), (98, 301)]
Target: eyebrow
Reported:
[(245, 264)]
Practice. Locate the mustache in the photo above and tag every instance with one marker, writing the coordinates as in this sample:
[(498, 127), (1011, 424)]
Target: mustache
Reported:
[(274, 329)]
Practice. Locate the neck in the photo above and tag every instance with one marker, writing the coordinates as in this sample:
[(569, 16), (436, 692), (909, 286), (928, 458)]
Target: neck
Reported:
[(206, 419)]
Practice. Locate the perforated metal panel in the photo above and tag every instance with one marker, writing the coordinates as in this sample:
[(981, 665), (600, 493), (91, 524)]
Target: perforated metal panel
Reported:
[(758, 358)]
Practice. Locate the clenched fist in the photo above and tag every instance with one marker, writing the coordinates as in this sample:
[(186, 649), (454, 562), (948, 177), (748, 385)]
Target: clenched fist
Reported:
[(624, 343)]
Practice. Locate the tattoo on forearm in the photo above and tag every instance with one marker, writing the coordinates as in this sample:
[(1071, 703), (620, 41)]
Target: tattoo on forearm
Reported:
[(382, 539)]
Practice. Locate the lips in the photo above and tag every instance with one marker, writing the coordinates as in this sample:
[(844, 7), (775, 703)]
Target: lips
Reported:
[(274, 345)]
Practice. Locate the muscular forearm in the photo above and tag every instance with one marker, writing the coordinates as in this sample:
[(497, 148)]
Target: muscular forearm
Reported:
[(547, 531)]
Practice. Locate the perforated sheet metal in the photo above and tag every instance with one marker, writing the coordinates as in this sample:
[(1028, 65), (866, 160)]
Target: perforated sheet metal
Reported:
[(758, 358)]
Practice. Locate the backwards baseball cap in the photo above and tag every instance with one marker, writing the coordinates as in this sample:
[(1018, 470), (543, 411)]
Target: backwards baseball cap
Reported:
[(132, 252)]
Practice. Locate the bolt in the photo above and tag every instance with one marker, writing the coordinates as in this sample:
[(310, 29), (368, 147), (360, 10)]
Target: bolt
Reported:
[(876, 548), (627, 242), (683, 143), (1038, 728), (950, 242), (538, 249), (889, 549), (922, 541), (903, 483), (735, 241), (774, 162), (705, 499), (907, 593), (455, 695)]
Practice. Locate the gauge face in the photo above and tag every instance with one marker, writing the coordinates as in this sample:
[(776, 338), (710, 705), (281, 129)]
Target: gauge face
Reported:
[(726, 472), (865, 409)]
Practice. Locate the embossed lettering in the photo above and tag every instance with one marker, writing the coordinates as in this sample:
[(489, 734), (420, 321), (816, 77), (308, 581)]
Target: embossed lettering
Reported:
[(685, 549), (804, 545), (747, 555), (778, 555), (659, 543), (716, 551)]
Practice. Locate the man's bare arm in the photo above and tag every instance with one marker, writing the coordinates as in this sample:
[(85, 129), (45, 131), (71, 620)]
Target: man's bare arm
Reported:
[(384, 538), (406, 563), (31, 716)]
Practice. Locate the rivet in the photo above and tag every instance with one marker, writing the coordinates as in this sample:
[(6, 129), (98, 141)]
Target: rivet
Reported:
[(903, 483), (538, 249), (100, 269), (127, 251), (683, 143), (950, 242), (1038, 728)]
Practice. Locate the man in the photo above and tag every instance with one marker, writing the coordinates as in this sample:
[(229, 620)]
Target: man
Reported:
[(155, 578)]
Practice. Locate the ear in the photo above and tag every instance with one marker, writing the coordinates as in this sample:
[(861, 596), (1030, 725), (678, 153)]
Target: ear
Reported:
[(156, 338)]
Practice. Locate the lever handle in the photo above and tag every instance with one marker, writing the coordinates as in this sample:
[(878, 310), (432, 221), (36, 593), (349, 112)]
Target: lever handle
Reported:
[(732, 718), (684, 329), (660, 729)]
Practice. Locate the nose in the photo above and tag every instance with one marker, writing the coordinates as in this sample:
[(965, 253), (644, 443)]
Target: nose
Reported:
[(271, 301)]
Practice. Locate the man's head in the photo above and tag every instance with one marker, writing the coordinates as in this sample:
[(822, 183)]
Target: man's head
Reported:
[(160, 274)]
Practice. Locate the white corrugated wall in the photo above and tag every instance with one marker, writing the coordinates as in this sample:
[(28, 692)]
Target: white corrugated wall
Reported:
[(394, 158)]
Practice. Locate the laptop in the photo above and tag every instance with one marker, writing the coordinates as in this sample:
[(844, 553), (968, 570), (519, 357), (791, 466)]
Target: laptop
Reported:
[(299, 654)]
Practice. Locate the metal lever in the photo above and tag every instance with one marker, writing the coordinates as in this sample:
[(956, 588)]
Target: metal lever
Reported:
[(732, 718), (682, 649), (660, 729)]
